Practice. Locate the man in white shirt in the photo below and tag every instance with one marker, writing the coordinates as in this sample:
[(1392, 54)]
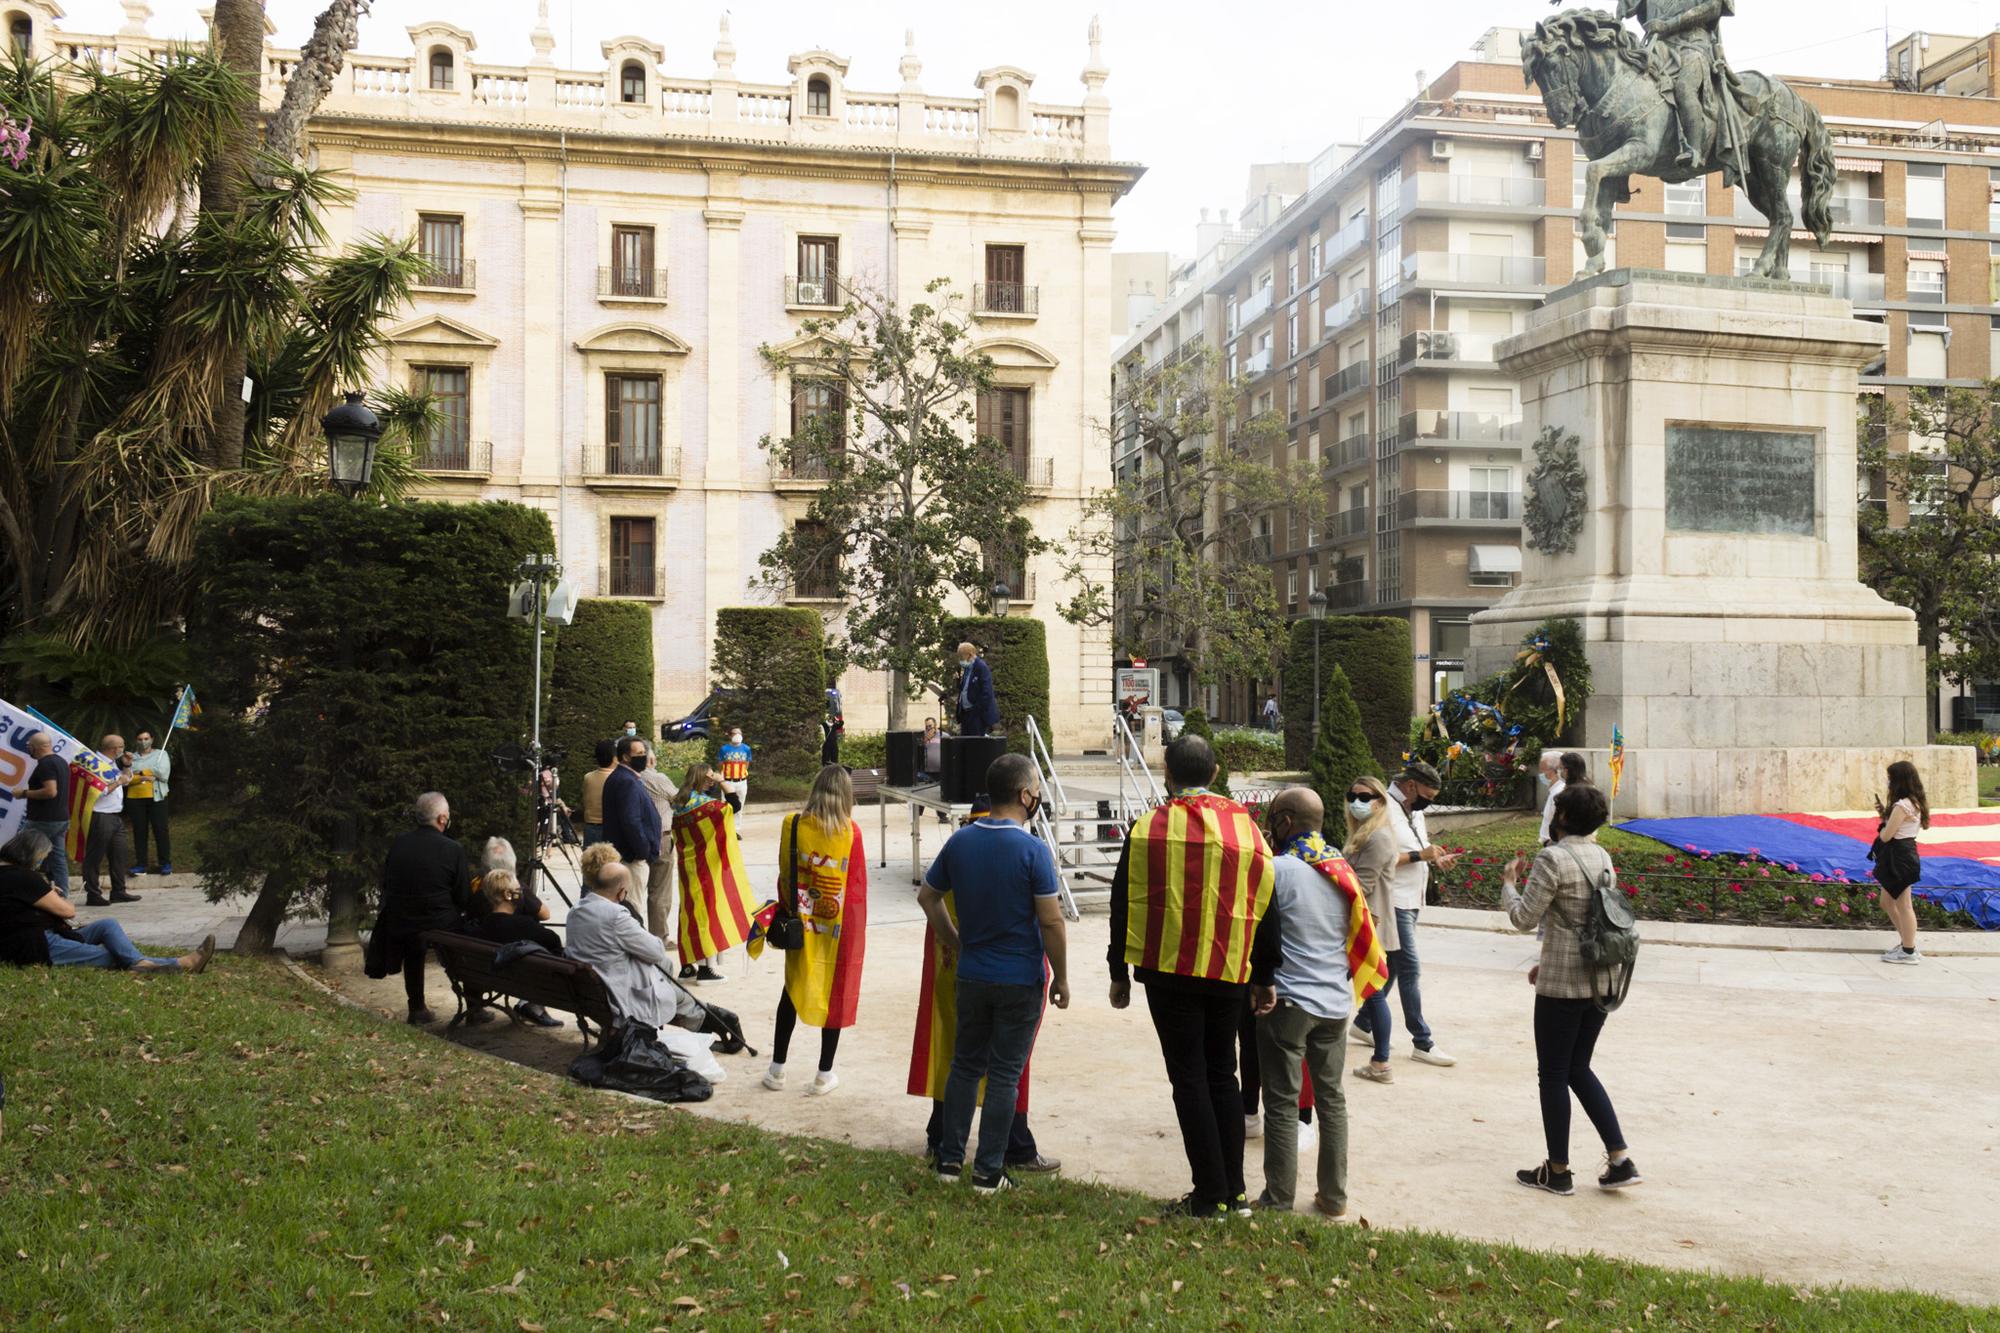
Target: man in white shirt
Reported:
[(1414, 788), (107, 836), (1551, 771)]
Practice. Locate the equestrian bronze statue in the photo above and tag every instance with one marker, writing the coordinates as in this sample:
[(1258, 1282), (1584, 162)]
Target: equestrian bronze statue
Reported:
[(1671, 107)]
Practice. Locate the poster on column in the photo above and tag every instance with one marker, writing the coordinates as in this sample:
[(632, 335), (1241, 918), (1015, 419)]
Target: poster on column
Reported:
[(16, 725)]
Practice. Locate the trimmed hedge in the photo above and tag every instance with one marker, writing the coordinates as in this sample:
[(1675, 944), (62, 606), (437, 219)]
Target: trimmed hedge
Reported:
[(1194, 722), (350, 656), (1248, 750), (602, 677), (776, 655), (1375, 653), (1340, 752), (1017, 648)]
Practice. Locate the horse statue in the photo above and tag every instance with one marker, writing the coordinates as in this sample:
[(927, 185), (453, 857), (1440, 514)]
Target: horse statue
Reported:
[(1596, 76)]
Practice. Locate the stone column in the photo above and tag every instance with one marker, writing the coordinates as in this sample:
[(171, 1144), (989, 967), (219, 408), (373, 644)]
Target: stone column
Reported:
[(722, 474)]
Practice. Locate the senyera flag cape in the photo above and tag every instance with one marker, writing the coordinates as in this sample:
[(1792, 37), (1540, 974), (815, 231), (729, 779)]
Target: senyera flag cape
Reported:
[(1367, 965), (715, 888), (937, 1024), (1198, 878)]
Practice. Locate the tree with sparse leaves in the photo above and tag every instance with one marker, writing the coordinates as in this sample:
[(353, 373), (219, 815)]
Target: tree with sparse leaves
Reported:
[(1943, 561), (912, 499), (1191, 572)]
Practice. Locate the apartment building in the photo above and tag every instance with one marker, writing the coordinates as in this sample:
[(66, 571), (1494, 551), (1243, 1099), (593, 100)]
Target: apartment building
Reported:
[(609, 248), (1366, 315)]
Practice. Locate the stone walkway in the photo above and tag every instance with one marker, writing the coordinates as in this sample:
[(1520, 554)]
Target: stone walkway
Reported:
[(1804, 1112)]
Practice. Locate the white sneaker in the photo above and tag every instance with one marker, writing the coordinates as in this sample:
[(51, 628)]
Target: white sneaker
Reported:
[(1309, 1135), (774, 1078), (1895, 954), (1360, 1038), (1253, 1126), (1434, 1056), (824, 1082)]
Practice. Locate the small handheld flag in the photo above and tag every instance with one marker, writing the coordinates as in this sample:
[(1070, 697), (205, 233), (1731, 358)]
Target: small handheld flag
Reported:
[(1617, 758)]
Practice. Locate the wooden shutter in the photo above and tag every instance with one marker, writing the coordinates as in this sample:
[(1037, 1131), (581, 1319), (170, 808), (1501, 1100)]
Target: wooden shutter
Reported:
[(1003, 263), (984, 413)]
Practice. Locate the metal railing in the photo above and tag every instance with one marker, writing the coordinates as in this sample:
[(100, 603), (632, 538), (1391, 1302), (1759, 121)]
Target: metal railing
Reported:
[(1350, 452), (1347, 596), (603, 460), (1053, 802), (625, 578), (1345, 381), (650, 283), (1474, 427), (474, 457), (1006, 298), (812, 291), (451, 273), (1031, 471), (1431, 267), (1132, 773), (1454, 187), (1496, 507)]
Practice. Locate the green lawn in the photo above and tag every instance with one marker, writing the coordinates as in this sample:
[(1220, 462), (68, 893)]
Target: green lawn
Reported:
[(1989, 784), (236, 1151)]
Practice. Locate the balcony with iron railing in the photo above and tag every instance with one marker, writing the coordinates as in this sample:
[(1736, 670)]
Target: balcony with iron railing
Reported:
[(1447, 346), (613, 466), (1345, 381), (802, 473), (632, 284), (814, 293), (1351, 452), (1481, 428), (445, 273), (1480, 508), (1343, 242), (1346, 310), (1020, 587), (1017, 299), (1465, 192), (1037, 473), (456, 458), (632, 578), (1451, 268)]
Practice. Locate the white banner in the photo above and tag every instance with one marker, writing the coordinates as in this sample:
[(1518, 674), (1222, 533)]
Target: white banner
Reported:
[(16, 725)]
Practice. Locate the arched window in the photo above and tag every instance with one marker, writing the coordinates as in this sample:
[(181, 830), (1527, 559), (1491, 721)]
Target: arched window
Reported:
[(440, 67), (819, 96), (21, 31), (1007, 109), (632, 82)]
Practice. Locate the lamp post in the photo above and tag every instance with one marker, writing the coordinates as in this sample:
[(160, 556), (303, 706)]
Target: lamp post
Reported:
[(352, 432), (1002, 599), (1317, 603)]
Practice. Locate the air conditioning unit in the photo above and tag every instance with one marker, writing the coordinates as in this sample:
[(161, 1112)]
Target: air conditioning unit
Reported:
[(1535, 151), (812, 293), (1441, 149)]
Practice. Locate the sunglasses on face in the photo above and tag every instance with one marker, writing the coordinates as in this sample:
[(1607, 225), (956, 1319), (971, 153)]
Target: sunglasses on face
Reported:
[(1364, 796)]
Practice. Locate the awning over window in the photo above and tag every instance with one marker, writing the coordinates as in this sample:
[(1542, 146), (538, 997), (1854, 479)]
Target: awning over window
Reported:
[(1866, 164), (1495, 560)]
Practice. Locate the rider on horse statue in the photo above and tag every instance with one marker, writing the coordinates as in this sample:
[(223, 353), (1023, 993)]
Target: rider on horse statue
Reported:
[(1684, 56)]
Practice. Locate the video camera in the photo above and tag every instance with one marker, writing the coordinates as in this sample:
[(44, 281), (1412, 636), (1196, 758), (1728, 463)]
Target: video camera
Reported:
[(512, 757)]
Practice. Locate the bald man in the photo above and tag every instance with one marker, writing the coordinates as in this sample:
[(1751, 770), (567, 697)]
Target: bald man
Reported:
[(1303, 996), (978, 712)]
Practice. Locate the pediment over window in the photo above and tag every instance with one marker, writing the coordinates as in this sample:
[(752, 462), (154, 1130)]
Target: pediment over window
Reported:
[(440, 331), (1018, 353), (642, 339)]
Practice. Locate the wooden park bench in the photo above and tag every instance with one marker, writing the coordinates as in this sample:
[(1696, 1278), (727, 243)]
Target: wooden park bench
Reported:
[(866, 780), (553, 983)]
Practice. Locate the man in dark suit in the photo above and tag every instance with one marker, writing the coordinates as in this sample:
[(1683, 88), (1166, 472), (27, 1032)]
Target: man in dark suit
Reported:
[(426, 885), (632, 819), (977, 710)]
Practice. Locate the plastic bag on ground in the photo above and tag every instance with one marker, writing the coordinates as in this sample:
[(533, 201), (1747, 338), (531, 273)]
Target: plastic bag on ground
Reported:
[(633, 1059)]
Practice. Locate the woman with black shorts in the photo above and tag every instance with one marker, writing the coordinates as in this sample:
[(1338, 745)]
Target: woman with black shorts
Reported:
[(1897, 866)]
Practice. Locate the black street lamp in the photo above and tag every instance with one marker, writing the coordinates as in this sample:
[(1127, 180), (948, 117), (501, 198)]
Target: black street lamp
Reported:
[(1002, 598), (1317, 605), (352, 432)]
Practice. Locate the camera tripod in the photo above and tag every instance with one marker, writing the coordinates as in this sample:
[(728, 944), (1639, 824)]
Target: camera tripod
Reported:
[(554, 833)]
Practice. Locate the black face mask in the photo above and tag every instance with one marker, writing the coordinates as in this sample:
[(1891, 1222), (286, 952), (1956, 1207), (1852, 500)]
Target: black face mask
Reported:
[(1030, 804), (637, 763), (1419, 803)]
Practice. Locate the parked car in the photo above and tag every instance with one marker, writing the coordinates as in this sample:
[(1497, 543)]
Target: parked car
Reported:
[(696, 726), (1170, 723)]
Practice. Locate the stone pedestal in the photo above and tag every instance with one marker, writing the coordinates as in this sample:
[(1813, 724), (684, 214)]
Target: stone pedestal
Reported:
[(1714, 570)]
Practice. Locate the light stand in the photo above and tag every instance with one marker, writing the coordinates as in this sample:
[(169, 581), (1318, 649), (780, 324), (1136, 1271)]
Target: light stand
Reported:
[(1317, 602), (540, 569)]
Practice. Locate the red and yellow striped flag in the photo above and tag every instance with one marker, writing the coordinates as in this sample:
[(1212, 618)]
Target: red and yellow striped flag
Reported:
[(1199, 877), (937, 1025), (1367, 965), (715, 888), (84, 789)]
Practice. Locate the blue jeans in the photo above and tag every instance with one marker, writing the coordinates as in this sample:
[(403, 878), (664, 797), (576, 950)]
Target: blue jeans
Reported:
[(1374, 1021), (104, 945), (57, 866), (996, 1029), (1404, 971)]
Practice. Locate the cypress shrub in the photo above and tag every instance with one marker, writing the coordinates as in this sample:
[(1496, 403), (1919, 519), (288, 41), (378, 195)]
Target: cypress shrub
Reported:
[(602, 677), (1340, 751), (776, 657), (1194, 722), (351, 656), (1375, 653), (1017, 648)]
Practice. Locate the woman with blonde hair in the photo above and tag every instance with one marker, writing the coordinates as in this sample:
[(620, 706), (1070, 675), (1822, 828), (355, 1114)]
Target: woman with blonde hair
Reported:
[(1371, 850), (823, 872)]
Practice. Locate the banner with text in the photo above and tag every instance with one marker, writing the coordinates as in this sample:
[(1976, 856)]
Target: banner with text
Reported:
[(16, 725)]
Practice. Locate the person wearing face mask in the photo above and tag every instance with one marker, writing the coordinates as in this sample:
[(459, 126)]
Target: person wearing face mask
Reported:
[(735, 760), (1559, 771), (631, 820), (1412, 791), (1372, 851)]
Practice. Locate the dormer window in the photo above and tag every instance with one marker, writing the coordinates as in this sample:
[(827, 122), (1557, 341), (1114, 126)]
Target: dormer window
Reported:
[(632, 82), (819, 96), (21, 31), (441, 69)]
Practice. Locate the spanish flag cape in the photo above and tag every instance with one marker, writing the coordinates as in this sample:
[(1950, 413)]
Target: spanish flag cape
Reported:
[(715, 888), (823, 977), (1367, 965), (937, 1024), (1198, 878)]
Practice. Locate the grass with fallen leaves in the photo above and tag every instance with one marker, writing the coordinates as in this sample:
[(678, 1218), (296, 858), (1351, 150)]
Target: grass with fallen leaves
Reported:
[(238, 1151)]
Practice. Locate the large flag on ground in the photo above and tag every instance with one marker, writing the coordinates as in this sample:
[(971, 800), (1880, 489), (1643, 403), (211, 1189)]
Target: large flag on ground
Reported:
[(715, 888), (937, 1024), (1367, 965), (1197, 880), (823, 976)]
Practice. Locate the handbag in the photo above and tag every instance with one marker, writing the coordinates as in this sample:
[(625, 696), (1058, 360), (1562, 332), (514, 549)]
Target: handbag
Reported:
[(786, 930)]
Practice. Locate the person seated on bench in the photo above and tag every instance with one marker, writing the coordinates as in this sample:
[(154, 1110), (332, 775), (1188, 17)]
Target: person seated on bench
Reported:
[(505, 921), (498, 854), (35, 921)]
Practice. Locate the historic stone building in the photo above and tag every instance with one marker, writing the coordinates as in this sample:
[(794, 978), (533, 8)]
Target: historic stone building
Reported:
[(610, 247)]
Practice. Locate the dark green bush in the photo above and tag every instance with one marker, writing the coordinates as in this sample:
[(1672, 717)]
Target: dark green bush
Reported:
[(1249, 750), (1375, 653), (601, 679), (776, 655), (1194, 722), (1341, 752), (1017, 648), (350, 656)]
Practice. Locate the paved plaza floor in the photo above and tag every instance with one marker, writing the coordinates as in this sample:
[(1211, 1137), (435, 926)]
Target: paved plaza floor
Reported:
[(1803, 1113)]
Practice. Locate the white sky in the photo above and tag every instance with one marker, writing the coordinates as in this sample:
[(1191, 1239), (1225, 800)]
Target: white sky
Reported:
[(1199, 88)]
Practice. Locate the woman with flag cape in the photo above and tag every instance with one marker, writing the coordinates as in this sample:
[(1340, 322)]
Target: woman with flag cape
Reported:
[(716, 906), (823, 880)]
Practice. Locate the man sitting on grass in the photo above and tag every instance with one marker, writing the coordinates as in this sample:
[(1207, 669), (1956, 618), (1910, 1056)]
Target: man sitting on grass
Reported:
[(35, 921)]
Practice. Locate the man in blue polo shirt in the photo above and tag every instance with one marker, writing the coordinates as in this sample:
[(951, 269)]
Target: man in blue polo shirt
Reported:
[(1003, 883)]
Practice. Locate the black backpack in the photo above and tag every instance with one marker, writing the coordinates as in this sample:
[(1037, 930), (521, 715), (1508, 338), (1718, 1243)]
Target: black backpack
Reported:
[(1607, 937)]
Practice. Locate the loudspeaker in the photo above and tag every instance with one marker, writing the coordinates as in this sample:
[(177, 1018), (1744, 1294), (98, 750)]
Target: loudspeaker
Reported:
[(966, 759), (906, 755)]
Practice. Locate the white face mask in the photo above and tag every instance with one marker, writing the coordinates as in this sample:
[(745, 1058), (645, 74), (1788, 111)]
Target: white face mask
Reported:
[(1360, 809)]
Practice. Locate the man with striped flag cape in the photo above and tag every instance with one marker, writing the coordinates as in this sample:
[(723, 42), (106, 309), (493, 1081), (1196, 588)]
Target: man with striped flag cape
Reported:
[(1191, 885), (716, 904)]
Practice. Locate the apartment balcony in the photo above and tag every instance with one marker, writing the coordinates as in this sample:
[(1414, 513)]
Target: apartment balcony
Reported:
[(1037, 474), (630, 578), (1445, 349), (1258, 547), (612, 467), (1459, 508), (1351, 452), (456, 459), (1845, 211), (1470, 195), (1256, 364), (446, 273), (1349, 596), (801, 474), (1344, 242), (1923, 291), (1346, 310), (1523, 275), (1347, 523), (813, 293), (1255, 307), (1020, 587), (1345, 381), (1008, 300), (646, 286), (1485, 429)]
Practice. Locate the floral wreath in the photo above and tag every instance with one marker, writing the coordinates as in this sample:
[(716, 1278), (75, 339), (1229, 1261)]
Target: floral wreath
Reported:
[(1556, 497)]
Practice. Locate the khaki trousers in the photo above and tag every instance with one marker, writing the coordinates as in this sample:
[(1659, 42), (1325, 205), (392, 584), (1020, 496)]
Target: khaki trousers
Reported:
[(659, 896), (1287, 1038)]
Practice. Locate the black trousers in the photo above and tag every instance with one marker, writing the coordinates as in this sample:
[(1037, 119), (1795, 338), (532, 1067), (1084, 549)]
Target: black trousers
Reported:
[(781, 1040), (413, 969), (1198, 1030), (1565, 1037), (149, 814)]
